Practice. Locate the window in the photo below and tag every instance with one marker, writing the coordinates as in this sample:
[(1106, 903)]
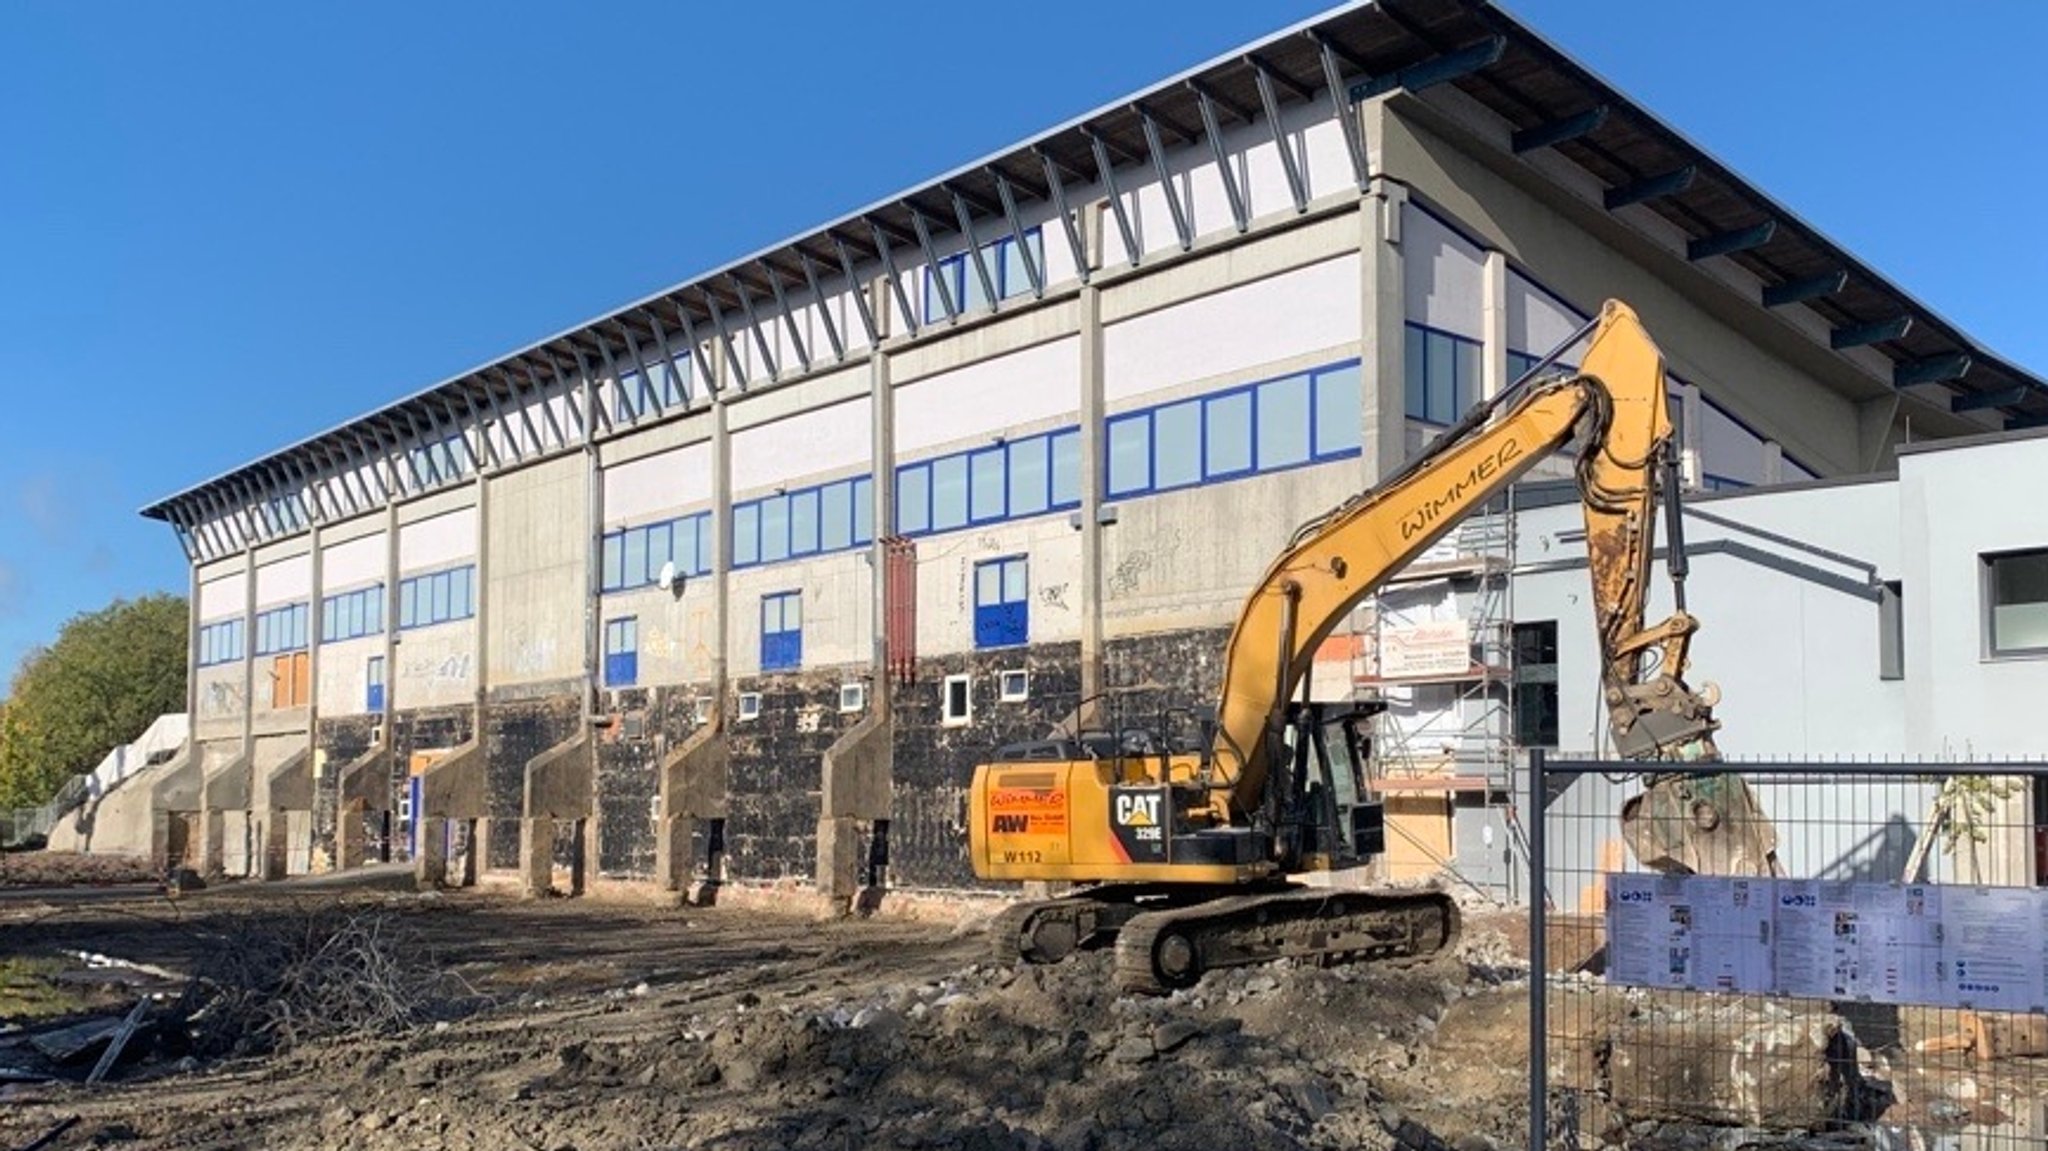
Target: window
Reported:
[(652, 388), (220, 642), (281, 629), (956, 705), (439, 597), (634, 557), (750, 705), (1010, 480), (1536, 703), (806, 522), (373, 676), (622, 652), (853, 697), (700, 709), (1014, 686), (1520, 364), (441, 462), (2016, 603), (352, 614), (1308, 417), (1002, 602), (1443, 375), (962, 280), (291, 679), (782, 631), (1891, 631)]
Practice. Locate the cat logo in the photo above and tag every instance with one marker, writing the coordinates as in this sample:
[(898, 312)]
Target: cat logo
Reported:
[(1137, 810), (1011, 824)]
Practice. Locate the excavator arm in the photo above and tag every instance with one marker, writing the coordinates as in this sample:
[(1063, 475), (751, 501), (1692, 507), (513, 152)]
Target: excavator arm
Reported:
[(1615, 404)]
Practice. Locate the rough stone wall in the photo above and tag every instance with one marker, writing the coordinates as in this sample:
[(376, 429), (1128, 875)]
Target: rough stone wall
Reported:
[(629, 773), (934, 765), (777, 765), (341, 742), (514, 732)]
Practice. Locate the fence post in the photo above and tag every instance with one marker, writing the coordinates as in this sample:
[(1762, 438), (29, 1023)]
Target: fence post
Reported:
[(1539, 960)]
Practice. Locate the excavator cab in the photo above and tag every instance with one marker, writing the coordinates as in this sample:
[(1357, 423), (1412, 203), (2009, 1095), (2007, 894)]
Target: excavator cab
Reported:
[(1334, 819)]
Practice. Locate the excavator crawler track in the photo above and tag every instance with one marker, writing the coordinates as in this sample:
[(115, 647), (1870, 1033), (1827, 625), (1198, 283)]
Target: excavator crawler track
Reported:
[(1161, 951)]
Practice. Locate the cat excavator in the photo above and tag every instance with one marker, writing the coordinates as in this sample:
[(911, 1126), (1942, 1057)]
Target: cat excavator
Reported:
[(1188, 856)]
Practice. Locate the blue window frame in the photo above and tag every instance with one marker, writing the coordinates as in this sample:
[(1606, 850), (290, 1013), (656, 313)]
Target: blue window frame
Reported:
[(1444, 374), (806, 522), (352, 614), (1002, 602), (1010, 480), (633, 557), (963, 283), (638, 391), (438, 597), (782, 631), (373, 678), (220, 642), (1268, 426), (622, 651), (281, 629)]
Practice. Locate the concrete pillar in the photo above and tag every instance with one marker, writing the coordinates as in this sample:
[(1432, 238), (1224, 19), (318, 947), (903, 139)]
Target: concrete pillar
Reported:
[(1691, 415), (1774, 462), (275, 849), (1493, 319), (1092, 448), (430, 865), (536, 856), (1383, 430), (212, 843), (316, 762), (351, 837), (838, 858)]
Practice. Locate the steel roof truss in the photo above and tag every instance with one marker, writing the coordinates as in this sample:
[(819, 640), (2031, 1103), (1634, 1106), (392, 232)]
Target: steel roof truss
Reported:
[(1555, 132), (974, 252), (697, 355), (1932, 370), (1347, 116), (931, 265), (1207, 104), (1067, 222), (810, 271), (648, 392), (888, 259), (1106, 173), (1288, 162), (1016, 226), (1860, 335), (853, 286), (732, 352), (1182, 230), (768, 358), (1800, 291), (668, 358), (1979, 401), (796, 337)]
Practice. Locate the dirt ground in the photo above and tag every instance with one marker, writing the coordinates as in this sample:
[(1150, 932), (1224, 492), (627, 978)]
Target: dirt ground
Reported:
[(594, 1024)]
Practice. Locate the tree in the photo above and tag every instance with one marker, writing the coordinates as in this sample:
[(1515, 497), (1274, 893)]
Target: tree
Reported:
[(106, 678)]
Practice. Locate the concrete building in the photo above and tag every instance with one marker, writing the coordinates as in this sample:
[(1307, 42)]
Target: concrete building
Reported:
[(740, 579)]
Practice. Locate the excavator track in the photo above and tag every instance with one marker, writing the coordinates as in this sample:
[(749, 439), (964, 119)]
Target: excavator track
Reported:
[(1164, 950), (1049, 930)]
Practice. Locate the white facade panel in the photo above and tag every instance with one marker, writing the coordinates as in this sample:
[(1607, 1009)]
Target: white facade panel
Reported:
[(1328, 168), (286, 581), (219, 598), (1445, 276), (809, 443), (1537, 320), (446, 539), (663, 482), (1038, 383), (359, 561), (1304, 310)]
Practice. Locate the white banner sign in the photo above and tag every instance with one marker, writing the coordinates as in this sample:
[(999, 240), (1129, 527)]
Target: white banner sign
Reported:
[(1442, 647)]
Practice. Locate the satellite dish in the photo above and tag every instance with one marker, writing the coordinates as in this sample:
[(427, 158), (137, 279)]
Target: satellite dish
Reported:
[(667, 578)]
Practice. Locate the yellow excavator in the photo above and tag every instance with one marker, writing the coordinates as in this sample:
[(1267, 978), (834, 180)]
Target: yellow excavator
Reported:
[(1185, 855)]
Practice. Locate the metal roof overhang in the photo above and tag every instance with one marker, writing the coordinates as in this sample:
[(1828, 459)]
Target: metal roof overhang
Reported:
[(1551, 100)]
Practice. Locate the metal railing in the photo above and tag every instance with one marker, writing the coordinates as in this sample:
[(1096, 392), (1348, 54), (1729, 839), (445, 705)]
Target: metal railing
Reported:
[(1887, 988)]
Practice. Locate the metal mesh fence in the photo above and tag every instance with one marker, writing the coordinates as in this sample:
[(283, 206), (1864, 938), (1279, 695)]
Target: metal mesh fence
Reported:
[(1887, 987)]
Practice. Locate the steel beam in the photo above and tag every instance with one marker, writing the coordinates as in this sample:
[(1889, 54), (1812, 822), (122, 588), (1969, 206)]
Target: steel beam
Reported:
[(768, 358), (1980, 401), (931, 265), (803, 260), (1016, 226), (539, 399), (1435, 70), (796, 337), (585, 429), (697, 356), (1650, 188), (1800, 291), (1729, 243), (724, 334), (2024, 421), (1272, 75), (667, 353), (1207, 105), (1068, 224), (888, 258), (598, 411), (462, 435), (1557, 132), (647, 387), (1289, 164), (1859, 335), (303, 492), (974, 252), (1107, 174), (1347, 117), (1182, 229), (861, 309), (1932, 370)]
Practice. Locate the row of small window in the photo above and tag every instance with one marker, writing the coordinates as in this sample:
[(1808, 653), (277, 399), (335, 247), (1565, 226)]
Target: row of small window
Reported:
[(956, 698), (654, 386), (281, 629), (962, 282), (634, 557), (1262, 427), (440, 597), (353, 614), (808, 521), (441, 462), (1023, 477), (220, 642)]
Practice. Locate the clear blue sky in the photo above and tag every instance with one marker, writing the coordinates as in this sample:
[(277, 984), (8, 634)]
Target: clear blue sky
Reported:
[(224, 226)]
